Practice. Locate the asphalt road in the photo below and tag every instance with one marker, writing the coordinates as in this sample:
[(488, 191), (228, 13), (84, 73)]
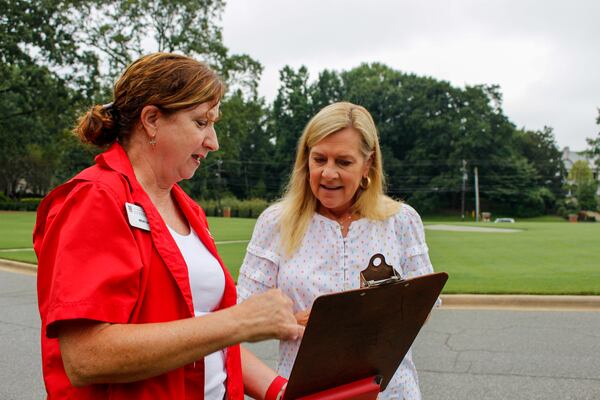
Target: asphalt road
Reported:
[(460, 354)]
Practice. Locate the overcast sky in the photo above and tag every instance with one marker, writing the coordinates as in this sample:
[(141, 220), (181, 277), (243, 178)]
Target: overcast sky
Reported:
[(545, 55)]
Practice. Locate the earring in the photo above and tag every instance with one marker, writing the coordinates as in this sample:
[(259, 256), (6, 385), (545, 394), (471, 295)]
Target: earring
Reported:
[(152, 142), (365, 182)]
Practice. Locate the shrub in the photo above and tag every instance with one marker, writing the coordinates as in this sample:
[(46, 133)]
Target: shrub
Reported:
[(250, 208), (586, 196), (18, 206), (568, 207), (425, 203), (23, 204), (31, 200), (210, 207), (535, 202)]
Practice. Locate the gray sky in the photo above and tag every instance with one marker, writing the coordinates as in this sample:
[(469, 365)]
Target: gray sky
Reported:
[(545, 55)]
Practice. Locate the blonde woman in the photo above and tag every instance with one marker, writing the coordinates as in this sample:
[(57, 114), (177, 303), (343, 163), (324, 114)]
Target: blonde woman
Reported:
[(333, 217)]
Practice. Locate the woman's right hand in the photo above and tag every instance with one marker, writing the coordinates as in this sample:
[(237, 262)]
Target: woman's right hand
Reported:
[(268, 315)]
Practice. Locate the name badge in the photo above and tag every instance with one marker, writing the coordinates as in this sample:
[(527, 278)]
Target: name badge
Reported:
[(137, 216)]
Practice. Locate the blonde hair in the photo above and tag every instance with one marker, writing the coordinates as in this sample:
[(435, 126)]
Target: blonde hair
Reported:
[(299, 204), (171, 82)]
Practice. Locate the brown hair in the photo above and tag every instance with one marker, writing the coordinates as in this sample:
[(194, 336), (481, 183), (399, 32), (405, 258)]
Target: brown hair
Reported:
[(168, 81)]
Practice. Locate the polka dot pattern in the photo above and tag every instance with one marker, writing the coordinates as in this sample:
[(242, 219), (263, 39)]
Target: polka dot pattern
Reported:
[(327, 262)]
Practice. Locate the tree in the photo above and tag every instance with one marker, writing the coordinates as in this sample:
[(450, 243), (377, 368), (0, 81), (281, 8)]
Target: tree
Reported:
[(290, 113), (121, 31), (427, 128), (239, 167), (46, 77), (587, 198), (584, 185), (540, 149), (36, 40), (38, 108), (327, 89), (581, 173), (59, 57), (37, 31), (593, 152)]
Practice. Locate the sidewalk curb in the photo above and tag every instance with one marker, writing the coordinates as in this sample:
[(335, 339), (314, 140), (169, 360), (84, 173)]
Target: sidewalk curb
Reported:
[(20, 267), (521, 302), (449, 301)]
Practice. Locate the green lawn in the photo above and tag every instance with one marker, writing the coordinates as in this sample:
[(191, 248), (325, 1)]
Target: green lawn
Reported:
[(548, 256), (16, 229), (27, 256), (545, 258)]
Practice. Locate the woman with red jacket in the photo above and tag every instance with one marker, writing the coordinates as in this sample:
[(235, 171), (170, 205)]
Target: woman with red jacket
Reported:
[(135, 302)]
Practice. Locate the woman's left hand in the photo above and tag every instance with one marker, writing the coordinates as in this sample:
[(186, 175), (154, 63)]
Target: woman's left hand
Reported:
[(302, 316)]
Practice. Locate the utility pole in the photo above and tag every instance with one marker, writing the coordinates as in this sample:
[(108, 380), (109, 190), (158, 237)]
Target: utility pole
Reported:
[(476, 195), (464, 188)]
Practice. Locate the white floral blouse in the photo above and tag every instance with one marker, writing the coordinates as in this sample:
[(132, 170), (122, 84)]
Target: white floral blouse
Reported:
[(327, 262)]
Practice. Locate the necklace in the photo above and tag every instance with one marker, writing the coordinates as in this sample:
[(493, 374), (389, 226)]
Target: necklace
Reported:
[(342, 221)]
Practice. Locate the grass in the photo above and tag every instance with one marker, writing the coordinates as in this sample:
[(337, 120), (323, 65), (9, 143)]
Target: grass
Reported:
[(226, 229), (27, 256), (16, 229), (544, 258), (549, 256)]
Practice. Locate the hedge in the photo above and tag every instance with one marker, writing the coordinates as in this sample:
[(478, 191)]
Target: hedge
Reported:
[(250, 208), (20, 205)]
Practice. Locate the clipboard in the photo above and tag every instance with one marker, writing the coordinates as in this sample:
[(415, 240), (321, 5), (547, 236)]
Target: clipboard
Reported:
[(361, 334)]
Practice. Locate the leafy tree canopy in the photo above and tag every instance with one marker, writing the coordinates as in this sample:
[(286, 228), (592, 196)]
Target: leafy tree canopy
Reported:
[(581, 173), (593, 150)]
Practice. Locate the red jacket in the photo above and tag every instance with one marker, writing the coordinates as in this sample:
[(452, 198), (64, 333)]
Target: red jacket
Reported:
[(92, 264)]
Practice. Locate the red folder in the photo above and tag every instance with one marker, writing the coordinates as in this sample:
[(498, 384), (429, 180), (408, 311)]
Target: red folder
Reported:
[(364, 389)]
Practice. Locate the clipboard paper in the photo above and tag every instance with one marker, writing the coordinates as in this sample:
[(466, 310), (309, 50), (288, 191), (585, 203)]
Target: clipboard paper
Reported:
[(361, 333)]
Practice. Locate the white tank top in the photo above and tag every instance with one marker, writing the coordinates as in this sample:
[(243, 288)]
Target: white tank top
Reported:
[(207, 283)]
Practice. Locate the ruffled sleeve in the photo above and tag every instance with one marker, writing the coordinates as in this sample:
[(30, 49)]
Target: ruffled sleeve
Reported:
[(414, 259), (261, 263)]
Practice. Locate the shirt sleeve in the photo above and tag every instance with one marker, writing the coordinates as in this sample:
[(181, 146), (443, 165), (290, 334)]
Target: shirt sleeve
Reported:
[(261, 264), (414, 259), (89, 259)]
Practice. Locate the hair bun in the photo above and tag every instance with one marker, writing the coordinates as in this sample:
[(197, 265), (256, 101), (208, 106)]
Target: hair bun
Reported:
[(97, 126)]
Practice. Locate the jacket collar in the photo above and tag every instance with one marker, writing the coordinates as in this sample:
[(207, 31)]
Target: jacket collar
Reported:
[(115, 158)]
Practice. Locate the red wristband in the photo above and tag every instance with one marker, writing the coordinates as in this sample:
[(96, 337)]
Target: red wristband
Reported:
[(275, 388)]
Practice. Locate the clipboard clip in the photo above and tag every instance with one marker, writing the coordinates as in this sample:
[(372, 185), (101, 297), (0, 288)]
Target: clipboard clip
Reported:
[(379, 274)]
